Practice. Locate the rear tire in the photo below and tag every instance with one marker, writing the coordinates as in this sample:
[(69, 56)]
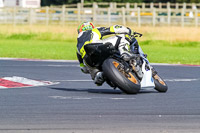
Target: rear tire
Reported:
[(160, 84), (128, 83)]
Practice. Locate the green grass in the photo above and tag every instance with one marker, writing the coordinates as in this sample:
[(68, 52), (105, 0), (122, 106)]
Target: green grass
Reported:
[(170, 45), (38, 36), (172, 54), (36, 47)]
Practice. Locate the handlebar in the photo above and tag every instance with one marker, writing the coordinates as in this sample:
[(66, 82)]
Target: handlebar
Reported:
[(136, 34)]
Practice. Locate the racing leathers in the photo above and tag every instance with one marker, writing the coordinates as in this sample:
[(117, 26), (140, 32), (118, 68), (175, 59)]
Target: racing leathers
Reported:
[(121, 42)]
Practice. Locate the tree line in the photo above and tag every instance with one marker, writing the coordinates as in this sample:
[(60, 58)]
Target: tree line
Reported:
[(61, 2)]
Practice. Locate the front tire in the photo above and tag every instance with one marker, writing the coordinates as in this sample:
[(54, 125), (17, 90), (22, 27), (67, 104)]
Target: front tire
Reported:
[(160, 84), (128, 83)]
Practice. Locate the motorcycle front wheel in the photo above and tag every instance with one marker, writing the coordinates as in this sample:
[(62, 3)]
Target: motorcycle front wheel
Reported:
[(160, 84), (127, 82)]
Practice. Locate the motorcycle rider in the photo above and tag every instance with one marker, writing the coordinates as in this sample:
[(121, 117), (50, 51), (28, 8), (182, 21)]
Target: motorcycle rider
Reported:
[(88, 34)]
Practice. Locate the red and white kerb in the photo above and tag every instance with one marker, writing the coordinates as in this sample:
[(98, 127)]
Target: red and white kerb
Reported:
[(19, 82)]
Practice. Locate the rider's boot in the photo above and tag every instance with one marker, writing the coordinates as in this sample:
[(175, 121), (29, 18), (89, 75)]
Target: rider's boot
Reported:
[(99, 79)]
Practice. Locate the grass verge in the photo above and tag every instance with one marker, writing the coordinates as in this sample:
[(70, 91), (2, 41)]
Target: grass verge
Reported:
[(158, 51), (172, 52), (162, 44), (37, 49)]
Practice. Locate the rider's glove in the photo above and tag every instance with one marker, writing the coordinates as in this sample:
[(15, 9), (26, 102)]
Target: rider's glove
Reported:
[(130, 38), (131, 32), (84, 69), (145, 55)]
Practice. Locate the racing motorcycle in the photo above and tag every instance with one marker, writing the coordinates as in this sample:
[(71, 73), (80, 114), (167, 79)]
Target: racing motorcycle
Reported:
[(129, 76)]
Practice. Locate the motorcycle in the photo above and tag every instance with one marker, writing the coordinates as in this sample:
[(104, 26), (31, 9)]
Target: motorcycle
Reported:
[(129, 76)]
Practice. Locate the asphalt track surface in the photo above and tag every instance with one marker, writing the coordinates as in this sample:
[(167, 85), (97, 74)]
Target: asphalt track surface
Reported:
[(76, 105)]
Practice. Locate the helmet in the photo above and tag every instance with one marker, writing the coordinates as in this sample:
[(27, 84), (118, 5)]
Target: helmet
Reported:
[(85, 26)]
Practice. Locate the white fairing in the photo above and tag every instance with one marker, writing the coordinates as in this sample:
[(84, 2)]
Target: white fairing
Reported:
[(112, 39), (147, 80)]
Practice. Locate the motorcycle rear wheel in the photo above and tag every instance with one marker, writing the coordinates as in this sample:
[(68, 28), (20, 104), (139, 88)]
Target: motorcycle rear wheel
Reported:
[(127, 82)]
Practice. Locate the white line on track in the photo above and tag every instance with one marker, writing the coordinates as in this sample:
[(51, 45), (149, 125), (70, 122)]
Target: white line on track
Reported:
[(89, 98), (181, 80), (63, 65), (72, 80), (169, 80), (166, 64)]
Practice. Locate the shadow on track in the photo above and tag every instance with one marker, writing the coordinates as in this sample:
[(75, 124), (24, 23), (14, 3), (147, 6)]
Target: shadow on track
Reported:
[(99, 91)]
